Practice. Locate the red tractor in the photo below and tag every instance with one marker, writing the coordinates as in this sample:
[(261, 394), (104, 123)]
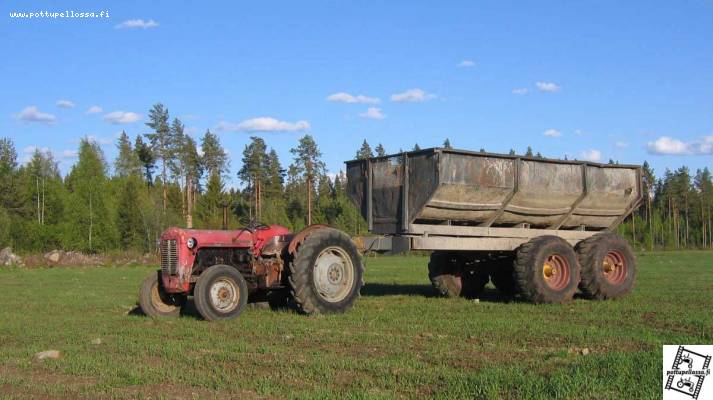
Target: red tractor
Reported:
[(319, 267)]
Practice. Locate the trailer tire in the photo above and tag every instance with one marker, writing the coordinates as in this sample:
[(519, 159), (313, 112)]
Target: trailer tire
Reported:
[(155, 302), (326, 273), (450, 279), (546, 270), (220, 293), (608, 266), (502, 276)]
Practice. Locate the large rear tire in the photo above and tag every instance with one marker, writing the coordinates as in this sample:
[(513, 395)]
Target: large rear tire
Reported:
[(450, 278), (220, 293), (608, 266), (546, 270), (155, 302), (326, 273)]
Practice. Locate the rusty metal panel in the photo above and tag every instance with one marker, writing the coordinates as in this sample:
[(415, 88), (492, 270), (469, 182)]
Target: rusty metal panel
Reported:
[(463, 187)]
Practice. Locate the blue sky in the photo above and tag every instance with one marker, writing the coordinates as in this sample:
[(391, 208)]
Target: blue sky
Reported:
[(631, 81)]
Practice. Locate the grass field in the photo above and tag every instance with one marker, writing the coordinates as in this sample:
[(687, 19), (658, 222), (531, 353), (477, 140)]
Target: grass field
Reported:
[(399, 340)]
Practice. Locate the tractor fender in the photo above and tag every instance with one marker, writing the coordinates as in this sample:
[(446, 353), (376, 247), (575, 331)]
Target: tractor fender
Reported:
[(302, 235)]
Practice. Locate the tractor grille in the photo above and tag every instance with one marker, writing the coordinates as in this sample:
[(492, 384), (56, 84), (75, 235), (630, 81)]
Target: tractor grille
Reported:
[(169, 256)]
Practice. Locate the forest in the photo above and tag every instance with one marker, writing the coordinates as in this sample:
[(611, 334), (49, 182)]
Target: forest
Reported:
[(166, 178)]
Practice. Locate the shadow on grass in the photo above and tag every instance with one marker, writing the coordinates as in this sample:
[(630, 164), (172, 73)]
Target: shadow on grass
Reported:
[(396, 289)]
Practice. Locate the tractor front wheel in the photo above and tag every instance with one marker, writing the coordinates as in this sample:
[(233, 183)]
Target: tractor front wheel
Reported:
[(220, 293), (155, 302)]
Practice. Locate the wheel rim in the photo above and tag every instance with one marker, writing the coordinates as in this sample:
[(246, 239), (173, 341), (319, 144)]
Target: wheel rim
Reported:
[(614, 267), (224, 295), (333, 274), (555, 270), (161, 301)]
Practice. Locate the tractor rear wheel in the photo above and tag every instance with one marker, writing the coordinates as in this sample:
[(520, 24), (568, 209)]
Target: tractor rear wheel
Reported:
[(155, 302), (326, 273), (451, 279), (608, 266), (546, 270), (220, 293)]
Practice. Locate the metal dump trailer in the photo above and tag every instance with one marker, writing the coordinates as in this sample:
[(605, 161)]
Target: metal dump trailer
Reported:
[(536, 227)]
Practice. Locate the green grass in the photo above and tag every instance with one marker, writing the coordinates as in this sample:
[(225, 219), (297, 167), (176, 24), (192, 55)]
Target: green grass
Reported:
[(398, 341)]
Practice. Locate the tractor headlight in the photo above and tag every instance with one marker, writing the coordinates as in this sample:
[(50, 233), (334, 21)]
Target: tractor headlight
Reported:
[(191, 243)]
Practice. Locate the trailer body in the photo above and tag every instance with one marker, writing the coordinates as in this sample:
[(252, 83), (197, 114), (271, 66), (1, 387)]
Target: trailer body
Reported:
[(447, 199)]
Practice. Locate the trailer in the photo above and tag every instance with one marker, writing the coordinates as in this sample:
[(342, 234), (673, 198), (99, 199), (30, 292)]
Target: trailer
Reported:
[(539, 228)]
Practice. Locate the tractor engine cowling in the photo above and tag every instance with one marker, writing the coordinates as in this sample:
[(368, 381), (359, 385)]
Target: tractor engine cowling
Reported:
[(186, 252)]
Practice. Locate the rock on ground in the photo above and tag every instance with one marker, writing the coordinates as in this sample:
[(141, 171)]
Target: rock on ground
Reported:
[(8, 258), (51, 354)]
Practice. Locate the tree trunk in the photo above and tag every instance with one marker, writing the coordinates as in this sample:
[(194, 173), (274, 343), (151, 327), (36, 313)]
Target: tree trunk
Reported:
[(164, 184), (91, 220), (309, 202)]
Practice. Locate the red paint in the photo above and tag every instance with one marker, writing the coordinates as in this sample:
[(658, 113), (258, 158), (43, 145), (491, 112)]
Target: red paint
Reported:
[(241, 238)]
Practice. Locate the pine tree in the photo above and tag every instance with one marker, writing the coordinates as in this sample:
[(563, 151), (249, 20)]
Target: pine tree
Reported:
[(416, 147), (162, 144), (447, 144), (512, 152), (254, 170), (309, 166), (215, 160), (380, 151), (146, 158), (529, 152), (365, 151), (127, 161), (129, 221), (210, 205), (89, 222)]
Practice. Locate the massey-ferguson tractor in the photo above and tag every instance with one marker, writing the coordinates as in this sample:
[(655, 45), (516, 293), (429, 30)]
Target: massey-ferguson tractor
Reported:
[(536, 228), (319, 268)]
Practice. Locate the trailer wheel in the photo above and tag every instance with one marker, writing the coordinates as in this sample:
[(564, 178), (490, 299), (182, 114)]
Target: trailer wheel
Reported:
[(326, 273), (546, 270), (220, 293), (608, 266), (450, 279), (155, 302), (502, 276)]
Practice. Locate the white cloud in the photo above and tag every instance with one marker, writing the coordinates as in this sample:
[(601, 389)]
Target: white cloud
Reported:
[(263, 124), (137, 24), (621, 144), (343, 97), (412, 96), (554, 133), (373, 113), (547, 87), (592, 155), (32, 114), (521, 91), (94, 110), (466, 64), (578, 132), (669, 146), (121, 117), (65, 104), (100, 140), (69, 153), (32, 149)]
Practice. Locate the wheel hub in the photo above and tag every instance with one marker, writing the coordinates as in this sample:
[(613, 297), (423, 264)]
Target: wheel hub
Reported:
[(555, 271), (614, 267), (224, 295), (333, 274)]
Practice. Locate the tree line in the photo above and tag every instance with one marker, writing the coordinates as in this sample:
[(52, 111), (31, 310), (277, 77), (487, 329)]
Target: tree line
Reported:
[(165, 178)]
